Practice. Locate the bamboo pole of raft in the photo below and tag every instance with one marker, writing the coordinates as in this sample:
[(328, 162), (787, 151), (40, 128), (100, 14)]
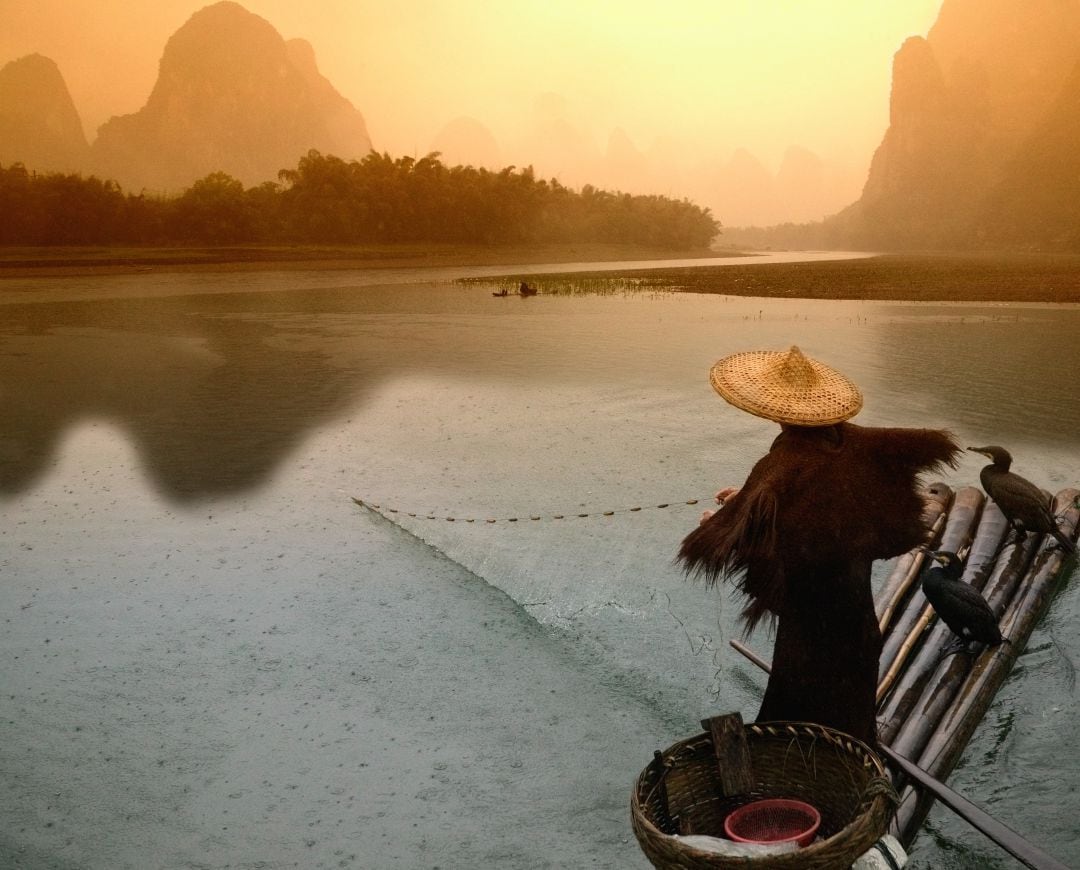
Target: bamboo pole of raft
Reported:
[(957, 536), (912, 680), (1021, 616), (938, 498), (900, 658), (1026, 852), (904, 574)]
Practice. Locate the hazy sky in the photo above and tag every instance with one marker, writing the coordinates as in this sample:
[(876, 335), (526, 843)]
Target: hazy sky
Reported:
[(761, 74), (693, 80)]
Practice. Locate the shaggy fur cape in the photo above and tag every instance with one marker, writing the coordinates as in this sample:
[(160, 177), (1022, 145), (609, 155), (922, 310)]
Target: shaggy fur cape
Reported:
[(798, 540)]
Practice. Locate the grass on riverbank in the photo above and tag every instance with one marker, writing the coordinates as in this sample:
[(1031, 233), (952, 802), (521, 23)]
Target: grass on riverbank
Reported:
[(892, 277)]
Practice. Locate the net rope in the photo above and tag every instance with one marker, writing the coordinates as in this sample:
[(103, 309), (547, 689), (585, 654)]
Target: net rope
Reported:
[(391, 512)]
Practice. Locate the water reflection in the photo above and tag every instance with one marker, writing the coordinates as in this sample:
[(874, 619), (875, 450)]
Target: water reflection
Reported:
[(211, 398), (216, 390)]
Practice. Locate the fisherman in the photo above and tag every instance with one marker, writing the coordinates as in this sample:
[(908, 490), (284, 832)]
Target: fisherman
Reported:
[(800, 535)]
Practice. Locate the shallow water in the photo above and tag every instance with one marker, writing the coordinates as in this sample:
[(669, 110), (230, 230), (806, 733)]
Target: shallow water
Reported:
[(266, 399)]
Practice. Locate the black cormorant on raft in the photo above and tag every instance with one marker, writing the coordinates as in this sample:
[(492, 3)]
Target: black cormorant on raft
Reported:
[(799, 537), (958, 604), (1025, 505)]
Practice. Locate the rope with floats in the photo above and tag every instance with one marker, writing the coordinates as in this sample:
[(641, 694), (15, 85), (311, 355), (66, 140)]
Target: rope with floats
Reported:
[(391, 512)]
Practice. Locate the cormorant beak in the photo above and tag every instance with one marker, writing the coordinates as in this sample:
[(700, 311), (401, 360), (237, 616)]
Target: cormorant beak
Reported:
[(981, 452)]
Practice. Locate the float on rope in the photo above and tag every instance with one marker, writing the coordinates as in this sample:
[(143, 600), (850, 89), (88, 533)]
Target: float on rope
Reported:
[(387, 511)]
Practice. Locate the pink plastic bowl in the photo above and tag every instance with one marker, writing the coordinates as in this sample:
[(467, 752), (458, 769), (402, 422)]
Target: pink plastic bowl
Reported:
[(777, 820)]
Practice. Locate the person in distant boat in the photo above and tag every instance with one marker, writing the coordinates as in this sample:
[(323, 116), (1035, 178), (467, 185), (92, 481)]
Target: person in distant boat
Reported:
[(526, 290), (799, 537)]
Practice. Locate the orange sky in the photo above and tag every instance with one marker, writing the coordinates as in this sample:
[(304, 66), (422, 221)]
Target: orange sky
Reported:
[(705, 77)]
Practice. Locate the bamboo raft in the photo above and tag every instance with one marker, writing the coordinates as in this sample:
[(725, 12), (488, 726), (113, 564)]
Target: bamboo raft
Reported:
[(928, 707)]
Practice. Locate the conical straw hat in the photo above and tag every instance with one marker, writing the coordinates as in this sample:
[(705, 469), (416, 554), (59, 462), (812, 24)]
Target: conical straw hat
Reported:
[(786, 386)]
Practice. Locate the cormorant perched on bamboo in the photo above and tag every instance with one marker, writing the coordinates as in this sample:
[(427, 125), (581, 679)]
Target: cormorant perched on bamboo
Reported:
[(1025, 506), (958, 604)]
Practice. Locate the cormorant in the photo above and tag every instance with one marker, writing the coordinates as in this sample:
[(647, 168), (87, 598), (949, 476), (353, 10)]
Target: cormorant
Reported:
[(959, 605), (1025, 506)]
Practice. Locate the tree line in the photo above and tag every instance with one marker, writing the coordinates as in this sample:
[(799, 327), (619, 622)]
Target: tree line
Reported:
[(328, 200)]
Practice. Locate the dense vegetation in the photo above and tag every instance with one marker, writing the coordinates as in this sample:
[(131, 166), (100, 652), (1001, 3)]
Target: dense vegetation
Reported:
[(327, 200)]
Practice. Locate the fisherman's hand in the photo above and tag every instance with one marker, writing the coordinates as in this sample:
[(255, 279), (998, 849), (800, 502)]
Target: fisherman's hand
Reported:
[(723, 497), (726, 494)]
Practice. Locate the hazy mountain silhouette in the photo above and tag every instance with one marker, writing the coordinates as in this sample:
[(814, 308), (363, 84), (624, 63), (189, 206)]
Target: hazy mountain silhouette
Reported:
[(980, 119), (556, 145), (39, 125), (745, 187), (231, 96), (1037, 203), (980, 148), (801, 183), (623, 158), (466, 141)]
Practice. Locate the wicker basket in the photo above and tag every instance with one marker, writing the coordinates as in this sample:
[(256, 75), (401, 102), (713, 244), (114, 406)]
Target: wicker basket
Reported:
[(847, 783)]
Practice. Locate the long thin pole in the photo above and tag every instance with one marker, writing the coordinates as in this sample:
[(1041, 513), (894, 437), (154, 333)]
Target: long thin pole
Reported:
[(1024, 851)]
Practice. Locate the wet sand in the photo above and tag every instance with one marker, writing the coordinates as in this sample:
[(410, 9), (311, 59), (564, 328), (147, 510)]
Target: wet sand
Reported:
[(72, 262)]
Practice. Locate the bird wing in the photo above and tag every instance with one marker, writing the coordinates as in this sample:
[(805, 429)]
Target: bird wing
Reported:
[(1020, 496), (971, 597)]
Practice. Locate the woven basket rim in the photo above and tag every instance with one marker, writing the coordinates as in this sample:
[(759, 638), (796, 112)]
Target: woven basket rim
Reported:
[(855, 829), (786, 387)]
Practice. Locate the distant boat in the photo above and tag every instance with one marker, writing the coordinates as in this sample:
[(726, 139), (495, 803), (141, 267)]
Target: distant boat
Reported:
[(526, 290), (503, 292)]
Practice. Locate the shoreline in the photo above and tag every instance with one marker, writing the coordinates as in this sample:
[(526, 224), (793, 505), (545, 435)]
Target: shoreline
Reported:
[(81, 262), (930, 277)]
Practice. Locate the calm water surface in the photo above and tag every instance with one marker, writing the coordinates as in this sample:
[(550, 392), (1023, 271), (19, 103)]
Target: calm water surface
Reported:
[(201, 393)]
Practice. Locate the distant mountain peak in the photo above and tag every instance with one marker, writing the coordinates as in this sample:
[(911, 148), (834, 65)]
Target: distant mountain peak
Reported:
[(231, 95), (39, 125), (966, 102), (466, 141)]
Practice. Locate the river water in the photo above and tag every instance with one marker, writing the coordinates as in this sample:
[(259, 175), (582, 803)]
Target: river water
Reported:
[(177, 467)]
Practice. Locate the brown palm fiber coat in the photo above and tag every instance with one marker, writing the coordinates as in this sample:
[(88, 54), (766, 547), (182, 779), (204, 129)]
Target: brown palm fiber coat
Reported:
[(799, 538)]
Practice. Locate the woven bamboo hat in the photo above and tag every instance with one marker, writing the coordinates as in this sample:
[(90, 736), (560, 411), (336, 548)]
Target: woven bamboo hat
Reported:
[(786, 386)]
